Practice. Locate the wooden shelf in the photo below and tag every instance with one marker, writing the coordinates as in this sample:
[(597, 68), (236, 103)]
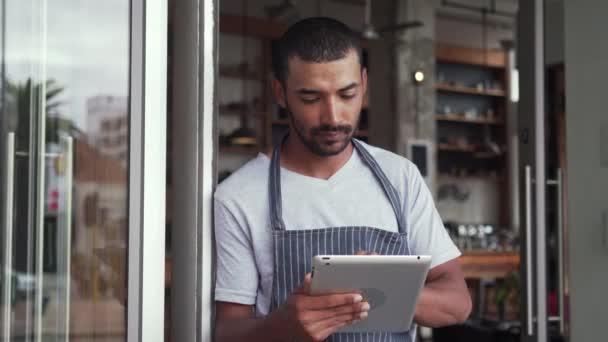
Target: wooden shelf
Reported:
[(473, 78), (462, 119), (460, 178), (239, 149), (467, 149), (456, 148), (468, 90), (478, 265), (465, 55)]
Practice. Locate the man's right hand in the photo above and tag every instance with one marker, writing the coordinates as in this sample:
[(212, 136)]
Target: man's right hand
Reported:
[(315, 317)]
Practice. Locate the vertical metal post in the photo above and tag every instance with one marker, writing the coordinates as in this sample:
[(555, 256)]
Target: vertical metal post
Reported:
[(531, 107), (207, 171), (529, 264), (39, 106), (69, 171), (8, 236), (540, 171), (560, 251)]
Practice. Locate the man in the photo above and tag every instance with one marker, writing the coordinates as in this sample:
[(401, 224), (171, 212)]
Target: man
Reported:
[(271, 214)]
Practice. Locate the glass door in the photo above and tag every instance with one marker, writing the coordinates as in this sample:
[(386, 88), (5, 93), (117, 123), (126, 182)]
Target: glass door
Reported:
[(64, 132), (542, 174)]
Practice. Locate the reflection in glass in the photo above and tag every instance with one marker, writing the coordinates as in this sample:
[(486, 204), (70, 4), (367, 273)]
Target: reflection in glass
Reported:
[(64, 95)]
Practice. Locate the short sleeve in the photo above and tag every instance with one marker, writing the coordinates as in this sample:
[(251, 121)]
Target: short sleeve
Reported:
[(427, 234), (237, 274)]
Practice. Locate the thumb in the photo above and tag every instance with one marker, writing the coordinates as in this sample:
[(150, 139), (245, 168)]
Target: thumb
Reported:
[(304, 287)]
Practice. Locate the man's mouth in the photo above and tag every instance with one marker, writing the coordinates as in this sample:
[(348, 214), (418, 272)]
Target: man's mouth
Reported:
[(330, 135)]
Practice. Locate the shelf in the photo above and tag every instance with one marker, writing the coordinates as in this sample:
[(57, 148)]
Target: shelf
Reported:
[(448, 177), (468, 90), (468, 149), (478, 265), (471, 56), (456, 148), (462, 119), (239, 149)]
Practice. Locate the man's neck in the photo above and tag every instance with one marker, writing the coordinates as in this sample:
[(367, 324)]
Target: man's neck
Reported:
[(296, 157)]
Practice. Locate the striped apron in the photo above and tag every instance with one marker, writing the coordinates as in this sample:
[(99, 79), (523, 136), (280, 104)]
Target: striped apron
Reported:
[(294, 249)]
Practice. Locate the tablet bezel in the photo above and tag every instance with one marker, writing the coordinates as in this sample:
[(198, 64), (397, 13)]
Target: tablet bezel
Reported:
[(399, 279)]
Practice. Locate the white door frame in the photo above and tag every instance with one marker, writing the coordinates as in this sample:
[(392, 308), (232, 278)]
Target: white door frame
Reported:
[(147, 165)]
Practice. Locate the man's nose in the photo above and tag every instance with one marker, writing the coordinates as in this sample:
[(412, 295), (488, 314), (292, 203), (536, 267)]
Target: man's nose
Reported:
[(330, 110)]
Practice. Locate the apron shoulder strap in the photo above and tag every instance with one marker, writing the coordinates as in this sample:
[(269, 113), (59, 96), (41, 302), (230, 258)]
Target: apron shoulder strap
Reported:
[(274, 189)]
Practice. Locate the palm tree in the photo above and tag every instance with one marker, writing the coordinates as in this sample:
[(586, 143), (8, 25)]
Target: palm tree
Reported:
[(22, 109), (24, 104)]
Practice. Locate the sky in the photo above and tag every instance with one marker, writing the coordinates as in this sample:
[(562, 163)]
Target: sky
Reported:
[(87, 49)]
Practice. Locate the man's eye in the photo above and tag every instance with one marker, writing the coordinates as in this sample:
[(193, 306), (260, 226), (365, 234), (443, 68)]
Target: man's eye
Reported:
[(309, 99), (349, 96)]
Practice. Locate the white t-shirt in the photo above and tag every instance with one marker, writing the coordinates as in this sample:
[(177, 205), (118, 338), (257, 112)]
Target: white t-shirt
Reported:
[(351, 197)]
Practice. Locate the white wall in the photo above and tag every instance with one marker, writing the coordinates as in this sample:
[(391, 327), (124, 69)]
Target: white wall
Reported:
[(586, 54)]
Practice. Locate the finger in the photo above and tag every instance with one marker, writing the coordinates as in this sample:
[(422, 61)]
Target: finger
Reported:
[(329, 301), (337, 321), (326, 332), (318, 315), (306, 283)]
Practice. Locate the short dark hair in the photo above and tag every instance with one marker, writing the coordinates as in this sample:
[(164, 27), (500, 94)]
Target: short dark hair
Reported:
[(317, 40)]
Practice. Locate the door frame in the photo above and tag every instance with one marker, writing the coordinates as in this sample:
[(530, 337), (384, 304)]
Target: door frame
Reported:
[(194, 154), (532, 168), (147, 168)]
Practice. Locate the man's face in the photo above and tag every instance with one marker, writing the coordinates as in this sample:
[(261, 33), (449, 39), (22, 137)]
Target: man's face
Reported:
[(324, 101)]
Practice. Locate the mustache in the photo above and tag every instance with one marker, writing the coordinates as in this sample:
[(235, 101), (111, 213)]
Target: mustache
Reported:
[(347, 129)]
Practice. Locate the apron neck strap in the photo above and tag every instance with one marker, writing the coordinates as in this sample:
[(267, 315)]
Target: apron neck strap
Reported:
[(274, 184), (274, 181)]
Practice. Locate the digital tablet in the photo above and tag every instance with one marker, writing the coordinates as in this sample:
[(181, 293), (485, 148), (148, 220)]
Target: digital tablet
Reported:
[(390, 283)]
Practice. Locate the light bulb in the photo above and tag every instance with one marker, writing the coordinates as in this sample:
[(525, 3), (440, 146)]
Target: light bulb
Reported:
[(419, 76)]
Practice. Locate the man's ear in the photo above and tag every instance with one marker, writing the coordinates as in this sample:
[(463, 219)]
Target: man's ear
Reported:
[(279, 92)]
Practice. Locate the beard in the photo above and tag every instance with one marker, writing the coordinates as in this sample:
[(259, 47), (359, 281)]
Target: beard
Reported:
[(324, 140)]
